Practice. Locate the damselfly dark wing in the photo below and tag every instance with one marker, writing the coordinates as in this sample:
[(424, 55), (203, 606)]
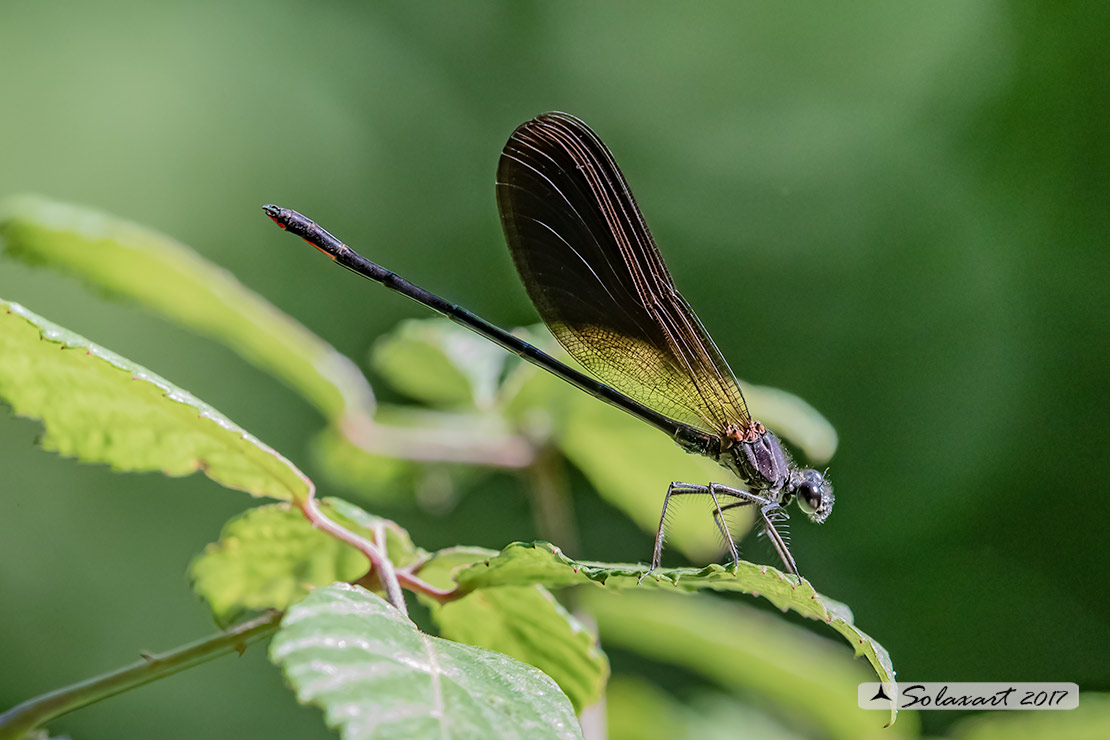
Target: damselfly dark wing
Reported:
[(591, 267)]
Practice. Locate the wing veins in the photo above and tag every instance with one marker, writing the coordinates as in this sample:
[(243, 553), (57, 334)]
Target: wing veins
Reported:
[(662, 291), (559, 154)]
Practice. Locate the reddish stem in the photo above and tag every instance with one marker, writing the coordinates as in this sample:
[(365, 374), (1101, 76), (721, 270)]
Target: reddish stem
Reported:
[(379, 561)]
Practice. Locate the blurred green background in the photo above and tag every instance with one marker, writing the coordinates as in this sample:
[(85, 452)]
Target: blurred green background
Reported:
[(898, 213)]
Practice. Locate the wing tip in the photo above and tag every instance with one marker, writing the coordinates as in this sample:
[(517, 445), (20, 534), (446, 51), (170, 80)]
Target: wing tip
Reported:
[(552, 120)]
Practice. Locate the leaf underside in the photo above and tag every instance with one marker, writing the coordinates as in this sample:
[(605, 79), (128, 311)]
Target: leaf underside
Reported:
[(98, 407)]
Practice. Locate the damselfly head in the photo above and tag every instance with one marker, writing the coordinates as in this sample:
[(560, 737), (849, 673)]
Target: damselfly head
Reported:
[(814, 492)]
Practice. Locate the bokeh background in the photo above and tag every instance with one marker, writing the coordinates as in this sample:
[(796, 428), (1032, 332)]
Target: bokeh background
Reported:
[(897, 212)]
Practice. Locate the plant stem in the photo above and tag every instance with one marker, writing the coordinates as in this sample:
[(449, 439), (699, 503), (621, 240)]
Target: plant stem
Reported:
[(418, 585), (431, 444), (35, 713), (378, 558)]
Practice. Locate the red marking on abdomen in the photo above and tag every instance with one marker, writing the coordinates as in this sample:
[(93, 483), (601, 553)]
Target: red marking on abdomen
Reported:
[(319, 248)]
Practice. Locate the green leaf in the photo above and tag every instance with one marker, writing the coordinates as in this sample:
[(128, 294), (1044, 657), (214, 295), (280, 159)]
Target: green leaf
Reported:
[(527, 563), (741, 647), (376, 675), (397, 541), (134, 262), (98, 407), (440, 363), (270, 557), (439, 568), (527, 623)]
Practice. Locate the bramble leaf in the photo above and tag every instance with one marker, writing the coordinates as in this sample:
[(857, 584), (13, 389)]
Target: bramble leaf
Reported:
[(270, 557), (527, 623), (443, 563), (376, 675), (98, 407), (522, 564)]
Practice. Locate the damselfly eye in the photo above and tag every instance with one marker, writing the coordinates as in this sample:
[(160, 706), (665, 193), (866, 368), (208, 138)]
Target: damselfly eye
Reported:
[(809, 498), (814, 494)]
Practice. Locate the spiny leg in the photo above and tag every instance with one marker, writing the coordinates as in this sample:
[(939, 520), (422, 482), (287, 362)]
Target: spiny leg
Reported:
[(746, 499), (776, 538), (678, 488), (719, 518), (767, 510), (675, 489)]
